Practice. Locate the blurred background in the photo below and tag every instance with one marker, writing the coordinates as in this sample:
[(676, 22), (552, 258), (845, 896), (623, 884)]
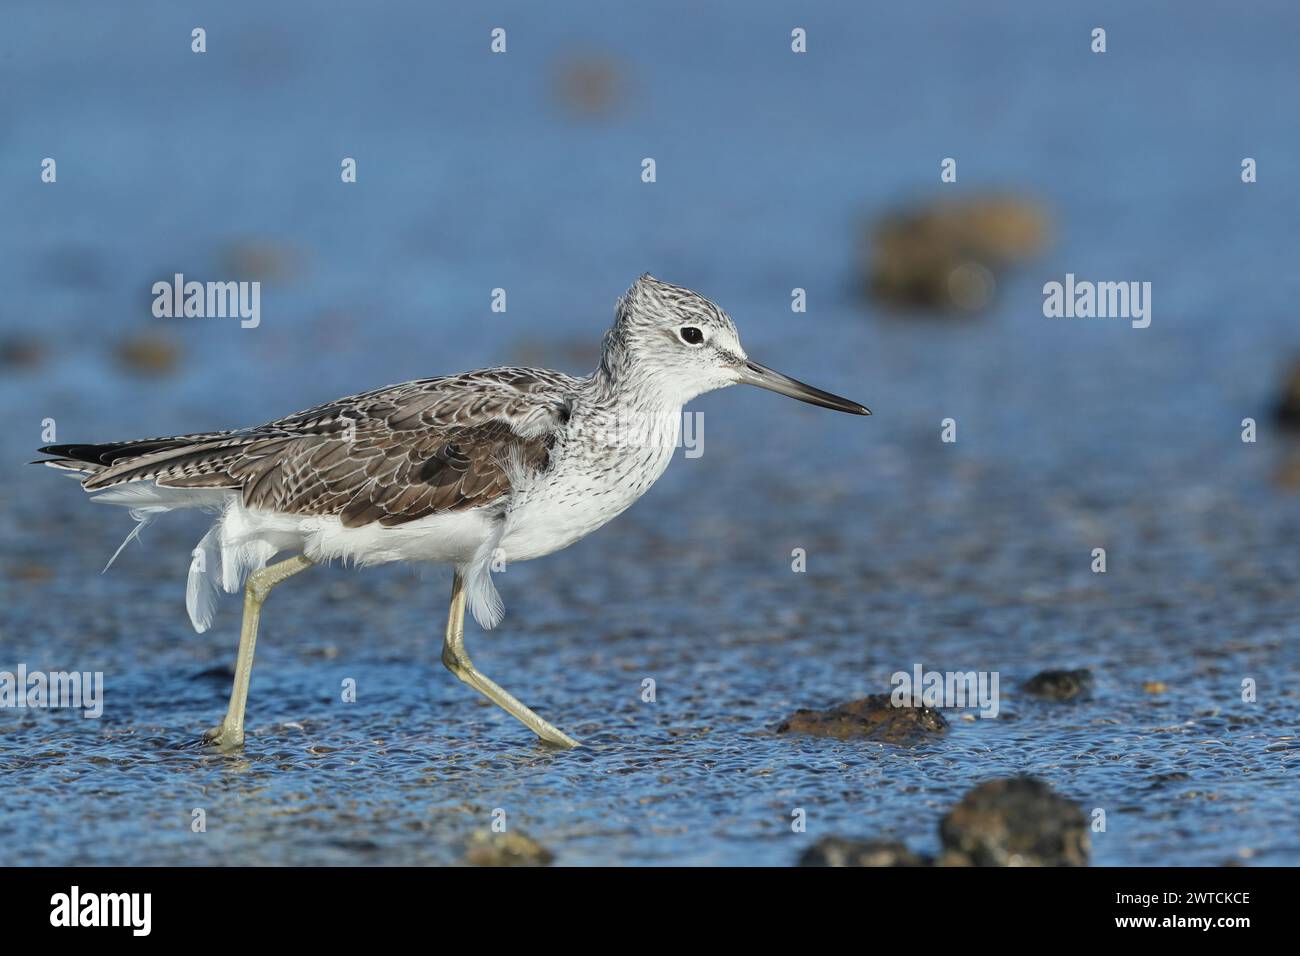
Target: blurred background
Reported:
[(775, 171)]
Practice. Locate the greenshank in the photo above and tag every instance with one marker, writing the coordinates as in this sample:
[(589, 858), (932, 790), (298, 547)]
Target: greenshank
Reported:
[(472, 470)]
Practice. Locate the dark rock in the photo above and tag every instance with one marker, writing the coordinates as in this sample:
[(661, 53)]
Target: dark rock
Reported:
[(944, 256), (1019, 821), (872, 718), (220, 672), (505, 849), (1059, 684), (1287, 410), (837, 851), (1160, 779)]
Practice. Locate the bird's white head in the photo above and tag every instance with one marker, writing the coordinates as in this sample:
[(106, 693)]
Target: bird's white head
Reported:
[(677, 344)]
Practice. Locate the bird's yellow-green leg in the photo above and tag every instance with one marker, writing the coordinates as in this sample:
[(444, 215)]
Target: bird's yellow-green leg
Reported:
[(458, 662), (230, 732)]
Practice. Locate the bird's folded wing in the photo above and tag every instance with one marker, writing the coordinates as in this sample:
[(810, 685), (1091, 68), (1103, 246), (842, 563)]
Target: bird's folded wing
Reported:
[(391, 456)]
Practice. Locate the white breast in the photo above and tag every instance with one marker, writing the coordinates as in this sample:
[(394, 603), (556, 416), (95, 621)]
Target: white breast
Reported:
[(596, 472)]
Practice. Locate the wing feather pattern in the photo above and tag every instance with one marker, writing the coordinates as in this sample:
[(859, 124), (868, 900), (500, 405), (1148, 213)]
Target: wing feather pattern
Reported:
[(389, 456)]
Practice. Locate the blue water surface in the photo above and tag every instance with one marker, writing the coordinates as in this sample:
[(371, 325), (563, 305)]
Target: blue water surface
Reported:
[(477, 171)]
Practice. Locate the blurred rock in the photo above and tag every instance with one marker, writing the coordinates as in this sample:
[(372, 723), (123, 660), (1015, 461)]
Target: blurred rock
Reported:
[(589, 85), (148, 356), (1287, 473), (1155, 686), (1059, 684), (1019, 821), (970, 286), (837, 851), (21, 353), (945, 256), (256, 260), (221, 673), (1287, 410), (1158, 780), (29, 572), (872, 718), (505, 849)]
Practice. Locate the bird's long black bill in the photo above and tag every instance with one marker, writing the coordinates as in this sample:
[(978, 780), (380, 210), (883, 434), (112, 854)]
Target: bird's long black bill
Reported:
[(751, 373)]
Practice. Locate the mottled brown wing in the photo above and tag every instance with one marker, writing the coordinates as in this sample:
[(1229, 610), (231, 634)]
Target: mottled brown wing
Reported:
[(393, 455), (386, 475)]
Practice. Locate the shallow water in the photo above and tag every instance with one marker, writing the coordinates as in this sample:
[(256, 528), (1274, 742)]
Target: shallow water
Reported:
[(971, 556)]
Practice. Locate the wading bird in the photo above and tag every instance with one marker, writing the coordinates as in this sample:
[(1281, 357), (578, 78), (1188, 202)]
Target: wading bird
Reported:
[(466, 470)]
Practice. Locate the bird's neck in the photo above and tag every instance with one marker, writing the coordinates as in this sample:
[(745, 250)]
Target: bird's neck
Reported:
[(617, 382), (626, 412)]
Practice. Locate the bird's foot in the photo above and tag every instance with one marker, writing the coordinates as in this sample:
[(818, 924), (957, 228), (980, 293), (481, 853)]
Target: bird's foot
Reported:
[(555, 736), (224, 736)]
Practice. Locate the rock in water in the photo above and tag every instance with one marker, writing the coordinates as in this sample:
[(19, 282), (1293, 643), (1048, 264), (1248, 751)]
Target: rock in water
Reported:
[(837, 851), (1060, 684), (872, 718), (506, 849), (1019, 821), (1287, 410), (945, 256), (148, 356)]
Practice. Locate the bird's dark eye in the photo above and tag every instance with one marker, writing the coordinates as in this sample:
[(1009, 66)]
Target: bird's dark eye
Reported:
[(691, 335)]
